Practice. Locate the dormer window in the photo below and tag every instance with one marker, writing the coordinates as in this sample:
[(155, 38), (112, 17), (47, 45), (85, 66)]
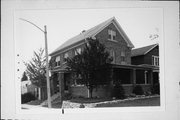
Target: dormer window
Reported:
[(111, 35), (57, 61)]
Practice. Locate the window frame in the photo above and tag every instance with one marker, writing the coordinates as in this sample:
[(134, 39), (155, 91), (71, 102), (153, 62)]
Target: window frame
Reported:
[(123, 57), (112, 54), (112, 35), (155, 60), (66, 53), (57, 62)]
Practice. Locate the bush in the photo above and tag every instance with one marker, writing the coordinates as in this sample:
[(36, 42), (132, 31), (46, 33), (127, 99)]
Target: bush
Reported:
[(27, 97), (155, 89), (67, 96), (118, 92), (138, 90)]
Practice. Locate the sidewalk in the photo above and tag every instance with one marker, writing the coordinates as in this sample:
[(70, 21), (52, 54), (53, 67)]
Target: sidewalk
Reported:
[(26, 106)]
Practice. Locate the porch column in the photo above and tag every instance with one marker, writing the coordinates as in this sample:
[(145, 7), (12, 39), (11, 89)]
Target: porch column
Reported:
[(134, 77), (61, 84), (112, 77), (151, 77), (145, 76)]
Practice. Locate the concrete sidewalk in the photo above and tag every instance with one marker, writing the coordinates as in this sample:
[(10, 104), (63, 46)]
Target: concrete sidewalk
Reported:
[(26, 106)]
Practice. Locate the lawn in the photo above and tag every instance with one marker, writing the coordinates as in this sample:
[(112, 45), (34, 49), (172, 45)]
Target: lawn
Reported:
[(90, 100), (99, 102), (155, 101)]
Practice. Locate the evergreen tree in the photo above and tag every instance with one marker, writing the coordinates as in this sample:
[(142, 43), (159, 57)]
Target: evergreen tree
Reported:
[(92, 65), (24, 77), (36, 68)]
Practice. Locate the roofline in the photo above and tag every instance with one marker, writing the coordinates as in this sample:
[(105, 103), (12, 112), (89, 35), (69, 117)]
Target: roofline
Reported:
[(131, 66), (121, 31), (66, 48), (146, 51), (151, 49), (119, 28)]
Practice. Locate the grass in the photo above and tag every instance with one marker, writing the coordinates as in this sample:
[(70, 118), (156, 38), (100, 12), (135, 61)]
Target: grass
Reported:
[(90, 100), (155, 101)]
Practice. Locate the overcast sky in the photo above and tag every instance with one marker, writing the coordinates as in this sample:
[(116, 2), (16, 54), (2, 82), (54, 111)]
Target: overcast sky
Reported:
[(62, 24)]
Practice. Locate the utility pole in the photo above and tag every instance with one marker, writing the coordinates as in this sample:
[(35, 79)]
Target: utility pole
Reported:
[(47, 63), (47, 68)]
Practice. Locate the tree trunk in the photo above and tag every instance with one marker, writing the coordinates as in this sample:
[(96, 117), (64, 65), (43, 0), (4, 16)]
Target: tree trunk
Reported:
[(90, 90)]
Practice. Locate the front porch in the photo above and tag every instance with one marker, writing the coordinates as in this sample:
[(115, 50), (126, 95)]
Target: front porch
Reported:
[(128, 75)]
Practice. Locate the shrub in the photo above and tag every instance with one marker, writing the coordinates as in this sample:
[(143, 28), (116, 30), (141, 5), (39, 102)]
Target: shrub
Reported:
[(67, 96), (27, 97), (118, 92), (138, 90), (155, 89)]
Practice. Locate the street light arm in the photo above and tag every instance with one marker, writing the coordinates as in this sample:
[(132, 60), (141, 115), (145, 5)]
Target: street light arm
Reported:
[(32, 24)]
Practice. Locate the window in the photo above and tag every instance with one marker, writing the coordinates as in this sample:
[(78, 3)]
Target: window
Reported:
[(66, 55), (78, 51), (122, 57), (112, 54), (111, 35), (142, 77), (155, 60), (57, 61)]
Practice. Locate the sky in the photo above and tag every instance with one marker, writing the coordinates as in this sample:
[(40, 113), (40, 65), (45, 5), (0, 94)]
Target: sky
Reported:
[(63, 24)]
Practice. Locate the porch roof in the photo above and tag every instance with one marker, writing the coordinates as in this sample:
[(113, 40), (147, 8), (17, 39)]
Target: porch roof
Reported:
[(144, 67)]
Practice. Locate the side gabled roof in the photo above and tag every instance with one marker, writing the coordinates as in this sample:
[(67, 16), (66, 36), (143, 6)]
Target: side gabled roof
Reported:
[(142, 50), (91, 33)]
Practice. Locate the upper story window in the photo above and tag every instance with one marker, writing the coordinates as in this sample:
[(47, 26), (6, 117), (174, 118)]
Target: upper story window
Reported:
[(78, 51), (57, 61), (122, 57), (66, 55), (112, 54), (155, 60), (111, 35)]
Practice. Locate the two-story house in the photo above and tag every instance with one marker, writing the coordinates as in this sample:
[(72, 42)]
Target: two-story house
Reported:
[(119, 46), (147, 56)]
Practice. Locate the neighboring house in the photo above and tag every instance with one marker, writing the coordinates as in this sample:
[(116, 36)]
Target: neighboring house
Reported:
[(147, 56), (24, 85), (119, 46), (28, 87)]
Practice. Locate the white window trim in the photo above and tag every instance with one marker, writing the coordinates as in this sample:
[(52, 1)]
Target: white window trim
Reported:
[(64, 62), (66, 54), (112, 33), (123, 54), (113, 55), (58, 59), (154, 60)]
